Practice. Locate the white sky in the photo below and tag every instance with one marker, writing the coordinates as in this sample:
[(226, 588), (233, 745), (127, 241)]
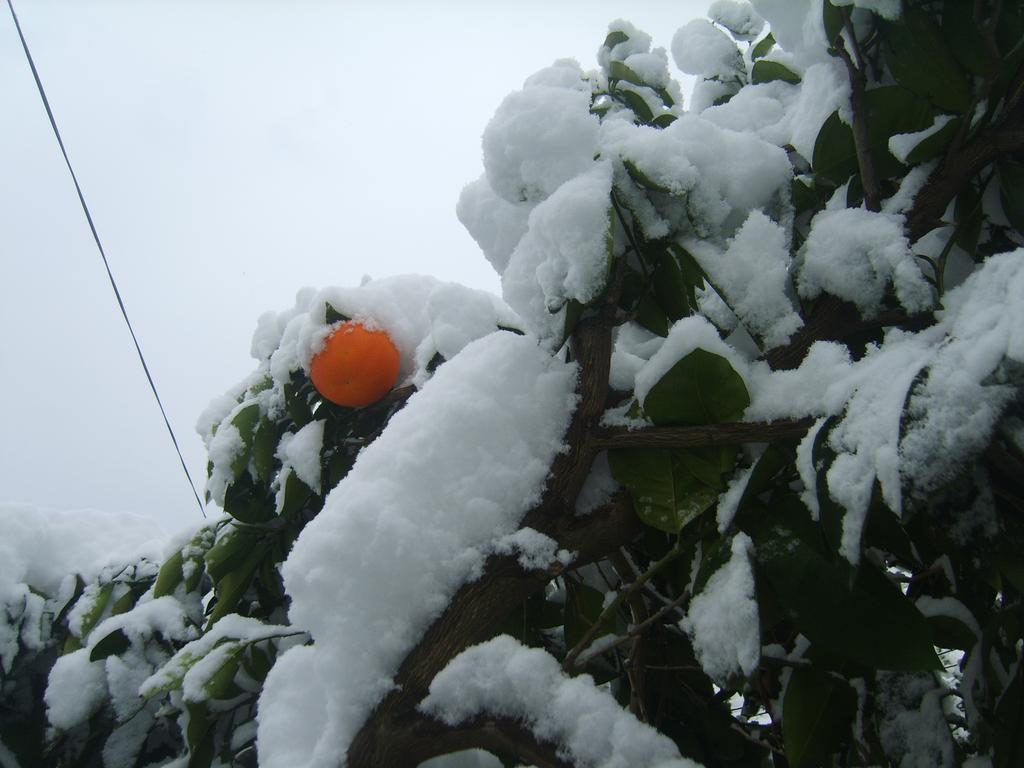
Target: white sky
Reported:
[(231, 153)]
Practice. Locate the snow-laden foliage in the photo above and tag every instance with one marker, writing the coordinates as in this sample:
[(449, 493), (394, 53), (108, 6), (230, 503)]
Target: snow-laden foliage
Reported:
[(730, 476)]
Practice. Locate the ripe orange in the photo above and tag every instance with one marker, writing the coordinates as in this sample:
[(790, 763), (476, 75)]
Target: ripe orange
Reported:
[(356, 367)]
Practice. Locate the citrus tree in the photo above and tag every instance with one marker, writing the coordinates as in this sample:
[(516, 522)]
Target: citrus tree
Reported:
[(732, 475)]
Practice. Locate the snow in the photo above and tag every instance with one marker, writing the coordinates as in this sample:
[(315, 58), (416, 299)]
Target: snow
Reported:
[(637, 42), (76, 690), (738, 17), (783, 113), (796, 26), (728, 502), (912, 725), (855, 254), (535, 550), (404, 530), (902, 144), (40, 547), (496, 224), (539, 138), (300, 452), (722, 620), (701, 48), (503, 678), (565, 254), (753, 273)]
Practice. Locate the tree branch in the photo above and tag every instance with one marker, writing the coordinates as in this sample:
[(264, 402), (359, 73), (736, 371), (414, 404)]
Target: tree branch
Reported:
[(955, 171), (858, 106), (701, 436), (386, 739)]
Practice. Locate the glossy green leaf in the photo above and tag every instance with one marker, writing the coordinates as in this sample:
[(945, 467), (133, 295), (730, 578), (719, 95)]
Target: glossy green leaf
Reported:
[(221, 684), (635, 102), (170, 575), (969, 219), (124, 603), (230, 551), (248, 502), (950, 632), (859, 615), (936, 144), (642, 178), (245, 422), (332, 316), (964, 38), (665, 496), (232, 586), (614, 38), (890, 110), (921, 61), (257, 662), (199, 735), (619, 71), (92, 615), (670, 287), (296, 494), (264, 444), (817, 717), (832, 20), (664, 120), (769, 71), (762, 47), (701, 388), (115, 643)]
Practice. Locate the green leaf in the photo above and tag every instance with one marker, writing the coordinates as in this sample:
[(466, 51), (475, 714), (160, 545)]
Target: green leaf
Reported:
[(124, 603), (817, 717), (92, 616), (248, 502), (264, 444), (332, 316), (221, 684), (969, 218), (921, 61), (664, 120), (296, 494), (762, 47), (114, 644), (665, 495), (936, 144), (963, 37), (233, 585), (245, 421), (199, 735), (636, 102), (614, 38), (619, 71), (832, 19), (701, 388), (170, 575), (230, 551), (858, 616), (769, 71), (257, 663), (642, 178), (670, 287), (949, 632), (890, 110), (1011, 192)]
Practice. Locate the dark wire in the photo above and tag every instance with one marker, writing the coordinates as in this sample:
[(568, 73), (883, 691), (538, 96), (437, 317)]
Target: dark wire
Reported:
[(99, 246)]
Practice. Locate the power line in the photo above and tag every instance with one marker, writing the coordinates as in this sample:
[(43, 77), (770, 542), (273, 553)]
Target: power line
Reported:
[(99, 246)]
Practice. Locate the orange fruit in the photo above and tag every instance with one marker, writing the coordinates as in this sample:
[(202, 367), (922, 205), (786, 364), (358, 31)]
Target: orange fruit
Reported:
[(356, 367)]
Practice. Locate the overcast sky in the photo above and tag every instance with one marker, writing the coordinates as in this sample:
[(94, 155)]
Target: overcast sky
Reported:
[(231, 153)]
